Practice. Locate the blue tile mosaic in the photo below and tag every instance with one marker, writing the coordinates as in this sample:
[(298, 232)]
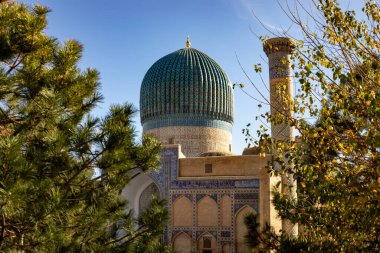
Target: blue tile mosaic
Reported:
[(186, 120), (214, 184), (201, 196), (199, 233), (278, 66), (175, 196), (246, 196), (254, 205), (186, 81), (225, 233), (176, 232)]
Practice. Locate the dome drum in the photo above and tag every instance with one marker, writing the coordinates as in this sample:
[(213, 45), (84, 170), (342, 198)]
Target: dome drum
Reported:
[(194, 140), (186, 98)]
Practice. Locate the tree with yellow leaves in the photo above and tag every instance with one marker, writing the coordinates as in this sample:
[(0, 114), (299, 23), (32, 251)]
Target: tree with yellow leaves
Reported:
[(336, 161)]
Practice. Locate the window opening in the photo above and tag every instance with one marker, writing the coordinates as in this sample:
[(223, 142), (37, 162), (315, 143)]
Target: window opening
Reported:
[(208, 168), (207, 243)]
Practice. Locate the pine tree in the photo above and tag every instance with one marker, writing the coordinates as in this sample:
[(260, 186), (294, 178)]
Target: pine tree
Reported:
[(50, 146), (336, 161)]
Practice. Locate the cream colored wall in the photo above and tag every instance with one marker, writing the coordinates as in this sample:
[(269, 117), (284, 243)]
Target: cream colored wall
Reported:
[(182, 243), (238, 167), (194, 140), (222, 166), (268, 214), (182, 213), (226, 248), (241, 229), (226, 204), (207, 212)]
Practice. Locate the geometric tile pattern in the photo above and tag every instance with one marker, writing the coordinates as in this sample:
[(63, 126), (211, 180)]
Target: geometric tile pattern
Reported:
[(186, 120), (242, 192), (279, 52)]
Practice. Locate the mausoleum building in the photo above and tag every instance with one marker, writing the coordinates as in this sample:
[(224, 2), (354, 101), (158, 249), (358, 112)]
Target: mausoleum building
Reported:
[(186, 101)]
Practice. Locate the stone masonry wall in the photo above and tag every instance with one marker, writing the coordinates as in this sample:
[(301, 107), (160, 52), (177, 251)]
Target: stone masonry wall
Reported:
[(194, 140)]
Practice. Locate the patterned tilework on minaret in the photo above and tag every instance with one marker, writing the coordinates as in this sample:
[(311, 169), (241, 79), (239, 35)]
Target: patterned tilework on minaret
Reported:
[(279, 52)]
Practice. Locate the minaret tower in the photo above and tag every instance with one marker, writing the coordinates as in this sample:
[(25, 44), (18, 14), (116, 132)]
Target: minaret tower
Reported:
[(279, 51)]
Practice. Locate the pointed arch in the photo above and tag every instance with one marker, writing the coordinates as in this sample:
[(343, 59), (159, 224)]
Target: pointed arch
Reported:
[(207, 243), (182, 212), (146, 196), (132, 191), (241, 230), (226, 211), (182, 243), (226, 248), (207, 212)]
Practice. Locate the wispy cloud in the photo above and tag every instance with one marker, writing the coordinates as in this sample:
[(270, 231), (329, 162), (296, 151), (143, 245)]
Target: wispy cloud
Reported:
[(275, 28), (267, 14)]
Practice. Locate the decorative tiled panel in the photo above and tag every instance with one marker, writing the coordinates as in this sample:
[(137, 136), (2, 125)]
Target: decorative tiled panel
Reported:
[(254, 195), (281, 131), (201, 196), (215, 184), (213, 232), (176, 232), (222, 233), (279, 44), (186, 120), (176, 196), (279, 65), (253, 204), (242, 192), (225, 233), (158, 177), (278, 51)]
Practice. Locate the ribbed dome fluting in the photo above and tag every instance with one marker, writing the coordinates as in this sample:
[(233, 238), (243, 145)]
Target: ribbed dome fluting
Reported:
[(185, 83)]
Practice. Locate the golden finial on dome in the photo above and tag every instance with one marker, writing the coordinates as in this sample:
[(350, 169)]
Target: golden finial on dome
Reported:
[(188, 43)]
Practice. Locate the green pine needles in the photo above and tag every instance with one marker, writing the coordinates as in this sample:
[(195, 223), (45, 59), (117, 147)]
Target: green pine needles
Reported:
[(50, 145)]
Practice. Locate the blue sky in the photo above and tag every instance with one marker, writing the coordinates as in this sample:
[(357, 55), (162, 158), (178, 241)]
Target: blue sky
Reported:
[(123, 38)]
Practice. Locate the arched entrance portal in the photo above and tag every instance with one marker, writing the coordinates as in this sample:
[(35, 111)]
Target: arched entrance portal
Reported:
[(207, 243), (241, 229), (146, 196), (139, 191)]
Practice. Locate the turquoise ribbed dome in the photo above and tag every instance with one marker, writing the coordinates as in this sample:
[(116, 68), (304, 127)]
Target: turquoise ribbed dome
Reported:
[(185, 87)]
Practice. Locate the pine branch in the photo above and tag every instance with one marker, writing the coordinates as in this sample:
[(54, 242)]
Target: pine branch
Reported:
[(85, 166), (2, 233), (15, 64)]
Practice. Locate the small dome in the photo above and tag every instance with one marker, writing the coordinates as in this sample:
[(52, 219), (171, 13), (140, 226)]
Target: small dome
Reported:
[(251, 151), (185, 83), (216, 153)]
